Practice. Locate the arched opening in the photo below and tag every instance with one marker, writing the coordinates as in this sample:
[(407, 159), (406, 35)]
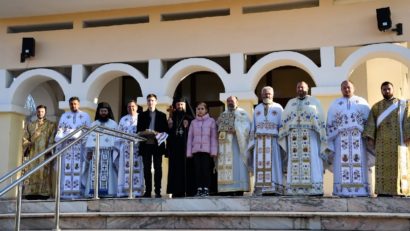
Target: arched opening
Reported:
[(283, 80), (48, 93), (370, 74), (202, 86), (118, 92)]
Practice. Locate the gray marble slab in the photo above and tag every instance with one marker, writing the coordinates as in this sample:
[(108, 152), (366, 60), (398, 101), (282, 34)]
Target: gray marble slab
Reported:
[(302, 204), (380, 205), (212, 222), (95, 222), (137, 205), (129, 222), (7, 206), (6, 224), (49, 207), (346, 223), (311, 223), (35, 224), (208, 204)]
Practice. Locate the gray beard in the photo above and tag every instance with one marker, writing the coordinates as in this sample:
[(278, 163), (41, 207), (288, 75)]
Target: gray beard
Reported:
[(267, 101)]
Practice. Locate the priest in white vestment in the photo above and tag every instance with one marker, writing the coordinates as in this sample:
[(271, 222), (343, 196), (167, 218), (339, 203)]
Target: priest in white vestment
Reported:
[(263, 142), (303, 137), (346, 119), (72, 160), (107, 173), (128, 124), (233, 136)]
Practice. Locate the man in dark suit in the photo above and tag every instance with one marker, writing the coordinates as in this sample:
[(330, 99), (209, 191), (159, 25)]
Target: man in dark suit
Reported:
[(150, 123)]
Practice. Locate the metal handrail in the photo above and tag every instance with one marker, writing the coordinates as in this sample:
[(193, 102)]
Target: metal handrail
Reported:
[(18, 182), (48, 160), (98, 128), (47, 150)]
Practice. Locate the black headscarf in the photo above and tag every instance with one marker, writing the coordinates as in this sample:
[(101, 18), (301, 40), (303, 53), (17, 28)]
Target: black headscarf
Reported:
[(103, 105)]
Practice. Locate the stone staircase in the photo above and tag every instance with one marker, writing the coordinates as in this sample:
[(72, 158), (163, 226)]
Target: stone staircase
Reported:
[(218, 213)]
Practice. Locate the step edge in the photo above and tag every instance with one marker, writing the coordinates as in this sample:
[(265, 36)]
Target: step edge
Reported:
[(215, 213)]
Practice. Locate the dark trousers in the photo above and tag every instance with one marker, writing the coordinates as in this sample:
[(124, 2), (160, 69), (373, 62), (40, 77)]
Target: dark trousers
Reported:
[(202, 169), (149, 152)]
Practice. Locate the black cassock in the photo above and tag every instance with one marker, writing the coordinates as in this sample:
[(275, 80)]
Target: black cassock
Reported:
[(181, 175)]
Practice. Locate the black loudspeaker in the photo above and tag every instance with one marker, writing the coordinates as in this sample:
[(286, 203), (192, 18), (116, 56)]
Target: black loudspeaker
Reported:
[(383, 18), (28, 49)]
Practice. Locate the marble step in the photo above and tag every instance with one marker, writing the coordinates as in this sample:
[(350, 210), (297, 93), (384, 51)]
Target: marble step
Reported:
[(240, 213), (215, 220)]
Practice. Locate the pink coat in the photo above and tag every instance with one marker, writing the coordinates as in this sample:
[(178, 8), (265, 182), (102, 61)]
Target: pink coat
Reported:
[(202, 136)]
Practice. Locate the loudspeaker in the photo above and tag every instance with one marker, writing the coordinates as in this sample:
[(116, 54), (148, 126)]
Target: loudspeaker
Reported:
[(383, 18), (28, 48)]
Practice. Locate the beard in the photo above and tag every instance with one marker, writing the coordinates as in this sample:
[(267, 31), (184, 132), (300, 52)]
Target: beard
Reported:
[(267, 101), (104, 119), (302, 95), (179, 113), (231, 107), (387, 96)]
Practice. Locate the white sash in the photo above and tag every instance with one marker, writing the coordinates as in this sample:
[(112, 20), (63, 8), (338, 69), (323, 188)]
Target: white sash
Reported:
[(386, 113), (401, 113), (403, 151)]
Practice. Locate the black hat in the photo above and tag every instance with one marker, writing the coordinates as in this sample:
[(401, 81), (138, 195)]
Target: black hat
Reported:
[(180, 99)]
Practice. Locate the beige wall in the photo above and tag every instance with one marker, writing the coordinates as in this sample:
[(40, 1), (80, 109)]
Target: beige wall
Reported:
[(380, 70), (326, 25), (12, 123)]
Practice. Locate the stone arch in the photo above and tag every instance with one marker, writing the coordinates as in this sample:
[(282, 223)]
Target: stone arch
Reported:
[(188, 66), (384, 50), (104, 74), (278, 59), (29, 80)]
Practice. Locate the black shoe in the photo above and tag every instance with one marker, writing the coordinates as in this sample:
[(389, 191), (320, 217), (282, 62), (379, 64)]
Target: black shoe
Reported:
[(199, 192), (157, 195), (177, 195), (205, 192), (147, 195), (384, 195), (36, 197)]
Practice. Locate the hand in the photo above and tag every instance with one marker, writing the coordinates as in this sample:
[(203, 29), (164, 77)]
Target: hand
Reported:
[(89, 155), (186, 123), (370, 143), (170, 122)]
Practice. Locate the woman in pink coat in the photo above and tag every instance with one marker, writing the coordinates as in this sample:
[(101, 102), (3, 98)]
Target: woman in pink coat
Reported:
[(202, 143)]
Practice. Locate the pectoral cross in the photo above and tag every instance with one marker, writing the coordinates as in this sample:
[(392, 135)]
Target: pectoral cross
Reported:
[(179, 131)]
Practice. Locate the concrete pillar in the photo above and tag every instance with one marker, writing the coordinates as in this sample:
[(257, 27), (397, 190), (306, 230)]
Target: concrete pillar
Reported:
[(11, 126)]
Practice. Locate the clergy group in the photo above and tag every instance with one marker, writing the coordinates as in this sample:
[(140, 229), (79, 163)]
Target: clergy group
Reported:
[(276, 151)]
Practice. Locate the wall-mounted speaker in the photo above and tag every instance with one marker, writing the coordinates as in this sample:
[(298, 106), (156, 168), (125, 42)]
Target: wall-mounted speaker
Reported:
[(383, 18), (28, 49)]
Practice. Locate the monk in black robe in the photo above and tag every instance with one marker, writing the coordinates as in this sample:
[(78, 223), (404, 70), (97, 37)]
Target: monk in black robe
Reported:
[(180, 168)]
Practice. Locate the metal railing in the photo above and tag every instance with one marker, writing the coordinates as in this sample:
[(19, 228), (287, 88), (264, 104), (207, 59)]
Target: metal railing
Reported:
[(132, 138)]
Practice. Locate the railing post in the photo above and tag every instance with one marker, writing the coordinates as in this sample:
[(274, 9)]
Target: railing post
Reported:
[(131, 175), (57, 194), (96, 165), (18, 206)]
